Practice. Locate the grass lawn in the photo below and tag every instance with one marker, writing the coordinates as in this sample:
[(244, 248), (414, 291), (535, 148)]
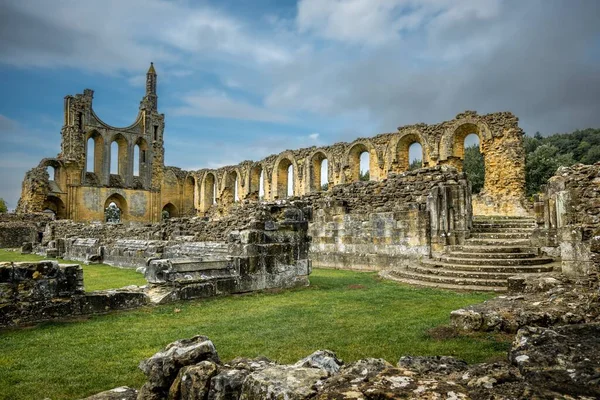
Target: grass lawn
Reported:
[(357, 315), (95, 277)]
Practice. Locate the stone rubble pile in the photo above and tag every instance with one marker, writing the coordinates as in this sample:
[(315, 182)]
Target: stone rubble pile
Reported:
[(543, 301), (543, 364)]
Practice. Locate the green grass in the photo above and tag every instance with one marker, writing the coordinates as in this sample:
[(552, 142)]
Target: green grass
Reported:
[(357, 315), (95, 277)]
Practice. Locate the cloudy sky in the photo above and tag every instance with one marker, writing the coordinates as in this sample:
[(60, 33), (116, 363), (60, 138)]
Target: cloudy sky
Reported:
[(243, 79)]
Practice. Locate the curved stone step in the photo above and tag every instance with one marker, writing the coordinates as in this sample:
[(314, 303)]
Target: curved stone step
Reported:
[(499, 235), (478, 249), (486, 255), (408, 274), (514, 269), (487, 275), (500, 229), (499, 242), (451, 259), (433, 285)]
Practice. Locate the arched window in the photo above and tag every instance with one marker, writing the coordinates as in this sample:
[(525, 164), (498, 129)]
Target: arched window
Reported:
[(365, 161), (169, 211), (51, 172), (473, 163), (261, 185), (285, 178), (114, 158), (136, 160), (91, 155), (415, 156), (318, 179), (290, 181), (236, 196), (115, 209)]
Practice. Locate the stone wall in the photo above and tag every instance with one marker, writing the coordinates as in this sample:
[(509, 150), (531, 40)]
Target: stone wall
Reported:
[(76, 193), (568, 218), (18, 229), (37, 291), (386, 224)]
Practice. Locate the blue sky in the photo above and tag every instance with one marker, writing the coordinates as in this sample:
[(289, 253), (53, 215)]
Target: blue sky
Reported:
[(240, 80)]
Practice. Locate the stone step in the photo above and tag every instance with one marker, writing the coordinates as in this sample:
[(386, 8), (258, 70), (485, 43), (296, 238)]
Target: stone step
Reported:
[(451, 259), (501, 218), (488, 255), (489, 275), (499, 242), (433, 285), (502, 235), (478, 249), (514, 269), (480, 224), (500, 229), (403, 273)]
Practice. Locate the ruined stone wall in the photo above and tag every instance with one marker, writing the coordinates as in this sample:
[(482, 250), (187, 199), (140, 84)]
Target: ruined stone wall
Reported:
[(17, 229), (386, 224), (568, 218), (37, 291)]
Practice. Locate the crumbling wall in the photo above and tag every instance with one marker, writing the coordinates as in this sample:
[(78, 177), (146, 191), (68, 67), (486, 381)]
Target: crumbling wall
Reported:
[(38, 291), (386, 224), (17, 229), (568, 218), (34, 189)]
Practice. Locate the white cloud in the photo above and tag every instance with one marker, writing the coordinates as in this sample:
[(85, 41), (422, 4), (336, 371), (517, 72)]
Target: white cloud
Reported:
[(217, 104), (314, 136)]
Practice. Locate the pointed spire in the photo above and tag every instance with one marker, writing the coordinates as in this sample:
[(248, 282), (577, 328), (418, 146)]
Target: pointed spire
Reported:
[(151, 69)]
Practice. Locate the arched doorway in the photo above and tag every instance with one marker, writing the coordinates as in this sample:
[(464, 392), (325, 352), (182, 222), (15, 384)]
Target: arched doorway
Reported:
[(115, 209), (56, 206), (359, 163), (169, 211), (319, 178)]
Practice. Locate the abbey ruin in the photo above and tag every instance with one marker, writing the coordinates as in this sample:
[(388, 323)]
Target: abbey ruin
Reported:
[(237, 229)]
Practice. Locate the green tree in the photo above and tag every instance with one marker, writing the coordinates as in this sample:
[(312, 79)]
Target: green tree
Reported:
[(325, 186), (364, 175), (474, 167), (542, 164), (3, 207), (415, 164)]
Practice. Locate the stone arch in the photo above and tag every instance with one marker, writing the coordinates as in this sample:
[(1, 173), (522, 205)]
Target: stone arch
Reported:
[(169, 211), (256, 182), (54, 168), (352, 160), (453, 139), (56, 205), (231, 186), (121, 204), (405, 141), (208, 190), (94, 157), (189, 195), (122, 156), (315, 170), (281, 174)]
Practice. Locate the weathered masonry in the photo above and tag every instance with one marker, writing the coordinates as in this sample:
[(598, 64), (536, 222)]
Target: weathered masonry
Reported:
[(104, 172)]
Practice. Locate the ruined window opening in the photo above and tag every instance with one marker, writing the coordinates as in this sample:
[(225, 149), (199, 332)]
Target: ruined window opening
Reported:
[(290, 180), (155, 132), (324, 181), (80, 120), (143, 156), (473, 162), (364, 172), (261, 185), (236, 196), (415, 156), (90, 155), (136, 160), (51, 172), (114, 158), (214, 193), (112, 213)]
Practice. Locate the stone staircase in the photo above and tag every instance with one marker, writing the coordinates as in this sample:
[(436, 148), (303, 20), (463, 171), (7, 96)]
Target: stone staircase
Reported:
[(499, 247)]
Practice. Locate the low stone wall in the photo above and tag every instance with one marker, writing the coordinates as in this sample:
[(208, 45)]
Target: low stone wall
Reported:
[(17, 229), (382, 225), (33, 292), (568, 218)]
